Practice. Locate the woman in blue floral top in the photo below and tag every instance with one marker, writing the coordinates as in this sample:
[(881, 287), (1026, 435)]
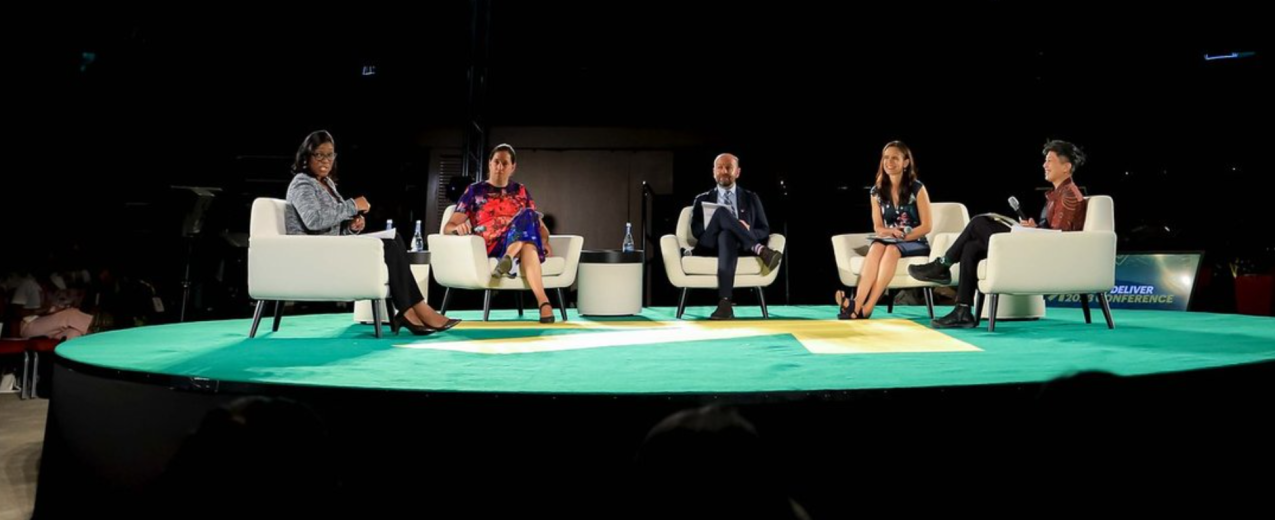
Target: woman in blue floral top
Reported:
[(504, 214), (901, 218)]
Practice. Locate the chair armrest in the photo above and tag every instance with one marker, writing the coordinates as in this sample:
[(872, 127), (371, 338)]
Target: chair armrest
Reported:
[(299, 268), (843, 251), (459, 261), (1050, 263), (671, 252), (568, 247), (844, 246), (776, 242)]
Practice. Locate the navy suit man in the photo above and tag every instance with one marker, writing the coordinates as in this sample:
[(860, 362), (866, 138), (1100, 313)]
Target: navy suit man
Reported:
[(738, 228)]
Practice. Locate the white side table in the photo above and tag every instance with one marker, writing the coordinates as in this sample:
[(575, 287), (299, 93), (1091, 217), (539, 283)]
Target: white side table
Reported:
[(610, 283), (420, 271)]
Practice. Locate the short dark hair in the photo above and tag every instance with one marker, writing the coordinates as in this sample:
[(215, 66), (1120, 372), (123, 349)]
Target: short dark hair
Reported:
[(312, 142), (1073, 153), (513, 156)]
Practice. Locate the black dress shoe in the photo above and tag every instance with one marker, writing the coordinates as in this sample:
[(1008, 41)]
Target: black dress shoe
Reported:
[(770, 258), (934, 272), (959, 318), (724, 311)]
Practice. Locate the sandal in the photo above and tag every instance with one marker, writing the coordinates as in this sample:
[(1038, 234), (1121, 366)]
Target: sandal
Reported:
[(846, 311)]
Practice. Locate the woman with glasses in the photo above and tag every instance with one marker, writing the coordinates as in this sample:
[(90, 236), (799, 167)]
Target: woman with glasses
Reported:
[(318, 209)]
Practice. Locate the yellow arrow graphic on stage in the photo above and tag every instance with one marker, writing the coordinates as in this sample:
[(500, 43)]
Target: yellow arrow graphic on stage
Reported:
[(817, 336)]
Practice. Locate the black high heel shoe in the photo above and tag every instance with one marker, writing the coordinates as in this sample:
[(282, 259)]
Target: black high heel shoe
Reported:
[(400, 321), (547, 319), (451, 322)]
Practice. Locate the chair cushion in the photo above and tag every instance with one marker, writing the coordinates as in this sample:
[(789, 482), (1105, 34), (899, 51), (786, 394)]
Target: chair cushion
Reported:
[(747, 265), (553, 266), (856, 264)]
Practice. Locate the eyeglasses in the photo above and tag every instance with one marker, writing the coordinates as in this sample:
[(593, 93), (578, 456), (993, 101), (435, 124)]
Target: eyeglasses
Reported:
[(323, 156)]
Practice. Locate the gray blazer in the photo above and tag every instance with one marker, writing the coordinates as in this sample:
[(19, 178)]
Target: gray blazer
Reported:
[(314, 211)]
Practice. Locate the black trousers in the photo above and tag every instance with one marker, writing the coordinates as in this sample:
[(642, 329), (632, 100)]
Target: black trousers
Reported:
[(403, 289), (725, 238), (969, 249)]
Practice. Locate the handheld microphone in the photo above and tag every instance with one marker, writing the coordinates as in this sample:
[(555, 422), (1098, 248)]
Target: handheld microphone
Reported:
[(1013, 203)]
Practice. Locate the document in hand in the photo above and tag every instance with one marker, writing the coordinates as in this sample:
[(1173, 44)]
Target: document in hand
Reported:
[(709, 208), (389, 233), (1024, 229)]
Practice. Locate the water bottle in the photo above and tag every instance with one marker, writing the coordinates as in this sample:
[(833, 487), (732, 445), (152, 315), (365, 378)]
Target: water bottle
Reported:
[(389, 224), (628, 238), (418, 243)]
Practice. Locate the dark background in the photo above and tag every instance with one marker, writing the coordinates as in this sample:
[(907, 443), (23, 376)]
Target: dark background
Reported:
[(108, 109)]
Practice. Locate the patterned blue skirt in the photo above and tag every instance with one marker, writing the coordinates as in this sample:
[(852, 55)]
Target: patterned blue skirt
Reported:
[(525, 227)]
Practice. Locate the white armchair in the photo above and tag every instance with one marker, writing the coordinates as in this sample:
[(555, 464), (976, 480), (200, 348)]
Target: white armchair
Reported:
[(460, 262), (1078, 262), (849, 250), (284, 267), (700, 272)]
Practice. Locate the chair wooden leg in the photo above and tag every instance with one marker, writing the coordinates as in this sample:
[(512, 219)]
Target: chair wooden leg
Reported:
[(562, 304), (1084, 304), (256, 318), (681, 302), (1106, 310), (447, 299), (518, 296), (889, 301), (486, 304), (929, 300), (978, 307), (376, 318), (991, 313), (761, 297), (278, 315)]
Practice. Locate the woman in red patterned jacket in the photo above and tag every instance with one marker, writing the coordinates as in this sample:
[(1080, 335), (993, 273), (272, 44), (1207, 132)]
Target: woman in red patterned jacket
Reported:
[(504, 214)]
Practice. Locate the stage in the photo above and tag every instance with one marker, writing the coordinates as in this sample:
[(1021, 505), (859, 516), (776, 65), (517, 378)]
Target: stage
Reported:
[(799, 349), (511, 402)]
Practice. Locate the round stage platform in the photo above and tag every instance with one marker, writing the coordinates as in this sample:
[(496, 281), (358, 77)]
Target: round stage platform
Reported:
[(797, 349), (510, 418)]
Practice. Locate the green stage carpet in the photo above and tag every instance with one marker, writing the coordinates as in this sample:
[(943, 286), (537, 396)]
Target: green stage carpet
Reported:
[(798, 349)]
